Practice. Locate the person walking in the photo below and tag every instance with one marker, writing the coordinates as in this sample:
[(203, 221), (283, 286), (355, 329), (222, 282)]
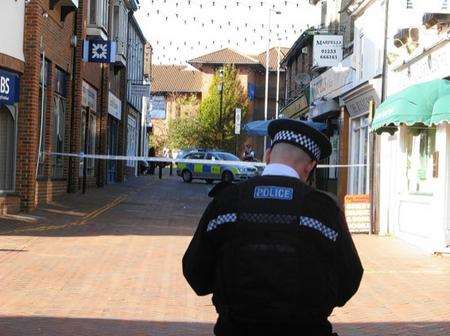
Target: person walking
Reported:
[(275, 253)]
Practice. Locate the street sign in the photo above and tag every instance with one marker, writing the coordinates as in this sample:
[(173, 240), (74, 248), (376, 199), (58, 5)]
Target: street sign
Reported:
[(99, 51), (237, 121), (140, 90)]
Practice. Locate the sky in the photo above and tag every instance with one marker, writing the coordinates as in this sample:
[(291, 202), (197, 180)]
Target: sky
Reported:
[(180, 30)]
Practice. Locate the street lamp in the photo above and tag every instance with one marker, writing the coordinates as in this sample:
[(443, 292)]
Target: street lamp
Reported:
[(266, 98), (277, 108), (220, 88)]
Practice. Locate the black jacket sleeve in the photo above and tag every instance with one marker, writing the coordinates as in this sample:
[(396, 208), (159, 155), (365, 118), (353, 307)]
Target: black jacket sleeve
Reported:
[(200, 257), (349, 269)]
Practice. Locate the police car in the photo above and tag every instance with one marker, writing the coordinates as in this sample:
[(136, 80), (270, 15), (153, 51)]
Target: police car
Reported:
[(214, 172)]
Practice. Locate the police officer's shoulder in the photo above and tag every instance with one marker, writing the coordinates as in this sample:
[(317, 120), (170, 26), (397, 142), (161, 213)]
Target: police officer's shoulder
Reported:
[(220, 188), (325, 198)]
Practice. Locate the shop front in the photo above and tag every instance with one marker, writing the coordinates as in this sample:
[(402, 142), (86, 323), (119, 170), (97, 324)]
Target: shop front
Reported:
[(9, 97), (325, 91), (114, 117), (415, 164)]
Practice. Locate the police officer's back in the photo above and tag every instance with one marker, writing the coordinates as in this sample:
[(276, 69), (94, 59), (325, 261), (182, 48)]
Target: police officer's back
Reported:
[(276, 254)]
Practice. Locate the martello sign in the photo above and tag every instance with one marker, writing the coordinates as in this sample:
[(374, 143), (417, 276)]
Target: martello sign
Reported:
[(327, 51)]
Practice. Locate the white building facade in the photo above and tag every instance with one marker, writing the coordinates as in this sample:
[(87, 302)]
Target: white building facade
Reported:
[(414, 196)]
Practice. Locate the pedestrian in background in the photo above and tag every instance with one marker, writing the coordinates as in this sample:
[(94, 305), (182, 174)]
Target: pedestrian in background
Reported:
[(275, 253), (249, 153)]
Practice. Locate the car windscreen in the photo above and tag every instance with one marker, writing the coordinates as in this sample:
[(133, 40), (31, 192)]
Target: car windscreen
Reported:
[(226, 157)]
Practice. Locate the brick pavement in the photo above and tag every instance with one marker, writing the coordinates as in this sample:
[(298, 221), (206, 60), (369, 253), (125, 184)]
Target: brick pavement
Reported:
[(71, 269)]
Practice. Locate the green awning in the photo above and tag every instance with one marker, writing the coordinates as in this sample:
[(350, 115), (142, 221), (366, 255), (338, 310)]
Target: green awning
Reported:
[(441, 110), (413, 105)]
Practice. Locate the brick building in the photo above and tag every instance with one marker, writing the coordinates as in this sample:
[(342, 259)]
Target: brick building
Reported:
[(65, 104), (251, 73)]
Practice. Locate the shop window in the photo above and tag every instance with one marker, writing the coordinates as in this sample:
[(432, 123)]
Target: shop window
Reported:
[(98, 13), (131, 139), (43, 84), (88, 141), (420, 146), (59, 117), (7, 149), (358, 155)]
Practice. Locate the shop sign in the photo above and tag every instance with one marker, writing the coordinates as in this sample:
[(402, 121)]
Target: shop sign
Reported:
[(434, 6), (434, 65), (9, 88), (327, 50), (237, 121), (99, 51), (114, 106), (140, 90), (157, 107), (296, 107), (357, 212), (89, 96), (360, 104), (333, 82)]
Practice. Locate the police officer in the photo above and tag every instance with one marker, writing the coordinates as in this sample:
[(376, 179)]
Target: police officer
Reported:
[(275, 253)]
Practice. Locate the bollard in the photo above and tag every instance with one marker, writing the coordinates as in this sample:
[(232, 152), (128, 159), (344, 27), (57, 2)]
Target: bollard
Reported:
[(160, 171), (171, 169)]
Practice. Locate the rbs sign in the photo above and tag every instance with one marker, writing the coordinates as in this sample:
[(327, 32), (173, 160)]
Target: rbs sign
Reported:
[(9, 88)]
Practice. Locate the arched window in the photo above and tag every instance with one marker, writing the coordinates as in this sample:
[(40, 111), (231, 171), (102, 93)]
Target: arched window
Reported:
[(7, 149)]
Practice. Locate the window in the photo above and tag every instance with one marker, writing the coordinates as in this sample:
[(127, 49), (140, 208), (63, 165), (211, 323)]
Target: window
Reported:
[(7, 149), (44, 77), (58, 122), (88, 141), (120, 27), (358, 155), (98, 13), (132, 140), (196, 156), (59, 117), (420, 147), (334, 157)]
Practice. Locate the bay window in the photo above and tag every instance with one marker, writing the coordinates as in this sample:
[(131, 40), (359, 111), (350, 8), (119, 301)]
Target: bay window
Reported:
[(98, 14)]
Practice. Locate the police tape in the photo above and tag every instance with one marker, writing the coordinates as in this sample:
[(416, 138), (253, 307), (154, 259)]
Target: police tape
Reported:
[(168, 161)]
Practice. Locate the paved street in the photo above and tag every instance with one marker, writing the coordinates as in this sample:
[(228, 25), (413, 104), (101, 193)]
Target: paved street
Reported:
[(108, 263)]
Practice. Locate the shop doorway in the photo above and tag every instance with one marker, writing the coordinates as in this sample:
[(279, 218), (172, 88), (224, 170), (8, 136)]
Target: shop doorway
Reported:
[(113, 143), (7, 149)]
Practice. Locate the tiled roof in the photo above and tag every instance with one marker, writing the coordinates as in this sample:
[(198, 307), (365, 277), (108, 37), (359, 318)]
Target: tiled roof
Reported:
[(272, 57), (175, 78), (224, 56), (229, 56)]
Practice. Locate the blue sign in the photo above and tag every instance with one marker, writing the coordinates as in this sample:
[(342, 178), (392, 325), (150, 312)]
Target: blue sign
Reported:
[(251, 92), (99, 51), (9, 88)]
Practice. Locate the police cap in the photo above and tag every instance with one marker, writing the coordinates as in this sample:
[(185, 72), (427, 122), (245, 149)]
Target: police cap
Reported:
[(302, 135)]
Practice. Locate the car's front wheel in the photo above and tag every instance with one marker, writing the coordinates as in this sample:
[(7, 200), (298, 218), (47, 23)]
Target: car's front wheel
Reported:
[(187, 176), (209, 181), (227, 176)]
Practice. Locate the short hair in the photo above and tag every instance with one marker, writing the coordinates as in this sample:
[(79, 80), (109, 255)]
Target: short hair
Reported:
[(292, 153)]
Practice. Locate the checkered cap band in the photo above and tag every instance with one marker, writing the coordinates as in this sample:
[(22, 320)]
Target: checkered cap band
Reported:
[(221, 219), (300, 139), (317, 225)]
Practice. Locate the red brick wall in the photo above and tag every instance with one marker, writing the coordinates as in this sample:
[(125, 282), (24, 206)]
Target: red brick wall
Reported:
[(9, 204)]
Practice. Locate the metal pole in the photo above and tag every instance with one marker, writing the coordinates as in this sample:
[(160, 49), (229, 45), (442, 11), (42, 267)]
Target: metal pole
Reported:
[(220, 111), (266, 91), (41, 128), (277, 108)]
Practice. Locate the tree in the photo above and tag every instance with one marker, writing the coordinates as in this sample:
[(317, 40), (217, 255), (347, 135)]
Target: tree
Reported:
[(216, 132)]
